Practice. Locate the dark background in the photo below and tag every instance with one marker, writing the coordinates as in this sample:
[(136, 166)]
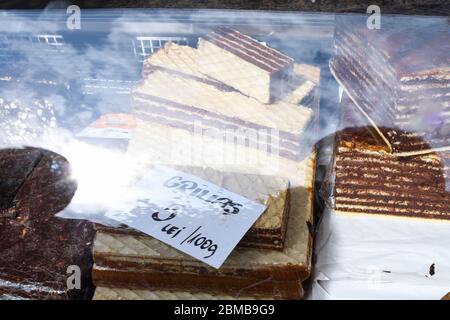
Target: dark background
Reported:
[(421, 7)]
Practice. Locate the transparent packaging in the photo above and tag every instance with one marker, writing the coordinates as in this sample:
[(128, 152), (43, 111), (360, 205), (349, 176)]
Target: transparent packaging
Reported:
[(303, 113)]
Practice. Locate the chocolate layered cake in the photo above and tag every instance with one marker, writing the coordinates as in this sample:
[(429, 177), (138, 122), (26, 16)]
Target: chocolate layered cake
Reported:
[(369, 179), (130, 261), (37, 247), (269, 230), (245, 64), (399, 78)]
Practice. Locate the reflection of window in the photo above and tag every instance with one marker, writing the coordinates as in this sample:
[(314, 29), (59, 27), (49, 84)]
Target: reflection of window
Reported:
[(51, 40), (144, 46), (13, 45)]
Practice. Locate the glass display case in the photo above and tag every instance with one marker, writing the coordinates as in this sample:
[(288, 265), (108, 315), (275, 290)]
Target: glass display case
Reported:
[(334, 125)]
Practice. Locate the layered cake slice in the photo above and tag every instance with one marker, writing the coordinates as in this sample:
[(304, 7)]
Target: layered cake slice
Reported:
[(129, 261), (269, 230), (39, 250), (370, 180), (399, 78), (245, 64)]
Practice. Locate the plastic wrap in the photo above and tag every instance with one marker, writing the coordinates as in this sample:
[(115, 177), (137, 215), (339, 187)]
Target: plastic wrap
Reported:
[(246, 101), (236, 107)]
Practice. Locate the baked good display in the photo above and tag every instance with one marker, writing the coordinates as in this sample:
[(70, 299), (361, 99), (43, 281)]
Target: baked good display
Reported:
[(251, 140), (247, 117), (37, 247), (399, 78)]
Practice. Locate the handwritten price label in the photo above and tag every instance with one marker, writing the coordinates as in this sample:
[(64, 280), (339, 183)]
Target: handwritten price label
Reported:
[(192, 215)]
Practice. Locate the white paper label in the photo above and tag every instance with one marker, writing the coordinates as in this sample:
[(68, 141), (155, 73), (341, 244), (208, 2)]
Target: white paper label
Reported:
[(188, 213)]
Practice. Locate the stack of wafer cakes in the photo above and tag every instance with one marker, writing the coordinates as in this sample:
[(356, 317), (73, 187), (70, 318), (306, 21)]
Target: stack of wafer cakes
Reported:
[(231, 112)]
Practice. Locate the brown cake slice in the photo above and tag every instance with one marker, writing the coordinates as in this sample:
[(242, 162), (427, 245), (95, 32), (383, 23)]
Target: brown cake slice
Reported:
[(131, 261), (370, 180), (37, 247), (245, 64)]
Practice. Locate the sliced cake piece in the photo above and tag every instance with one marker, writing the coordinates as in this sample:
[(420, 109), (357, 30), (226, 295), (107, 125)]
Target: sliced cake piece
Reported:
[(371, 180), (269, 230), (245, 64), (143, 262)]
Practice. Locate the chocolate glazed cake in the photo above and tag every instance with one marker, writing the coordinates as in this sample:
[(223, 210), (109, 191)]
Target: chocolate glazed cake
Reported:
[(37, 247), (370, 180), (399, 78)]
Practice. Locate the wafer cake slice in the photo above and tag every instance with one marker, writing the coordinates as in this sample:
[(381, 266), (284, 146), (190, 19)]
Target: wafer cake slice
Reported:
[(370, 180), (142, 261), (269, 230), (245, 64)]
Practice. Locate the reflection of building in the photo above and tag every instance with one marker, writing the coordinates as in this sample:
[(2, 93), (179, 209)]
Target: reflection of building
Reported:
[(144, 46), (12, 45)]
